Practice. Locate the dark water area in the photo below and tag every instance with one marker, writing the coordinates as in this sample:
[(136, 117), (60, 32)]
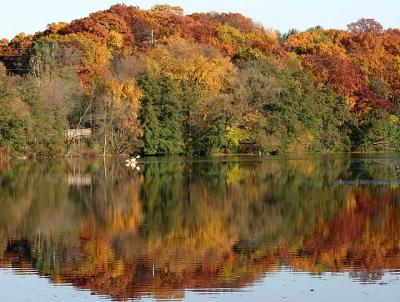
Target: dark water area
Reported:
[(231, 229)]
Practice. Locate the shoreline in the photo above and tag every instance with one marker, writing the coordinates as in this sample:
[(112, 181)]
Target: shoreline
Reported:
[(211, 156)]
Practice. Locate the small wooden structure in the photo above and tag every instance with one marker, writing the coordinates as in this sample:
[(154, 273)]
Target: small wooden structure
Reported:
[(79, 134)]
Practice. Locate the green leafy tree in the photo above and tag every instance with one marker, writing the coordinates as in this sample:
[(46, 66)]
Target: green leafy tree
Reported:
[(14, 117), (171, 141), (161, 116), (43, 59), (149, 115), (380, 131)]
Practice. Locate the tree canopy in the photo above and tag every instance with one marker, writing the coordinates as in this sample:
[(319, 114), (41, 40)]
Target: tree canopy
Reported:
[(158, 81)]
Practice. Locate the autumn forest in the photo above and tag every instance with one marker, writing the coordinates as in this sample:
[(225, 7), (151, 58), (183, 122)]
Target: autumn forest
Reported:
[(160, 82)]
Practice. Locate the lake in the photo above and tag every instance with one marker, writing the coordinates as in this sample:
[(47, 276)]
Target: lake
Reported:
[(290, 228)]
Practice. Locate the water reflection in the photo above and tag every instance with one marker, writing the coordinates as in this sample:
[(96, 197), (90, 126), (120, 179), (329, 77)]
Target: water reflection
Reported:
[(209, 224)]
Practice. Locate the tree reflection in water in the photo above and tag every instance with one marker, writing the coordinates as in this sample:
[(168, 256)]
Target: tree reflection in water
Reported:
[(205, 224)]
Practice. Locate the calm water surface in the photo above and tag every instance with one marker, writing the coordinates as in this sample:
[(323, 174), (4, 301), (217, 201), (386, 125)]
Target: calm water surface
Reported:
[(321, 228)]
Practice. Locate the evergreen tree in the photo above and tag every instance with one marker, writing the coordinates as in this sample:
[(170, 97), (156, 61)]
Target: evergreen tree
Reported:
[(161, 116), (150, 114), (171, 141)]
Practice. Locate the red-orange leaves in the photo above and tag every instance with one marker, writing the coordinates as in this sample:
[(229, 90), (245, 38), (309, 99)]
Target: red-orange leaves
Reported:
[(344, 77)]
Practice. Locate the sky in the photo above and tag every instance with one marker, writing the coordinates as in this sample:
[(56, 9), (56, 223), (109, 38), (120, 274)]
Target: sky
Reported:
[(30, 16)]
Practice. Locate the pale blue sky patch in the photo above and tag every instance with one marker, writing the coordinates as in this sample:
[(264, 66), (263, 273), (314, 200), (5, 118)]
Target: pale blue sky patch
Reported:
[(33, 15)]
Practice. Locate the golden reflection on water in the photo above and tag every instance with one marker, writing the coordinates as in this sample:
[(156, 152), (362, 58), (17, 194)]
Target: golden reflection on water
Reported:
[(207, 224)]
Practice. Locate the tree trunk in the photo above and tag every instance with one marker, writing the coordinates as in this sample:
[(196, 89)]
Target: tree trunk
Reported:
[(105, 144)]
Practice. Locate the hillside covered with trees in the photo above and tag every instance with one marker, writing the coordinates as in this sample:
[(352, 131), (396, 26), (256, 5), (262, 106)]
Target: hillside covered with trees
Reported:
[(160, 82)]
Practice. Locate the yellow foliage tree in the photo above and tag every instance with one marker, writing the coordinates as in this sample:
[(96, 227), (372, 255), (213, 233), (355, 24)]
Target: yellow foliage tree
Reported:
[(191, 63)]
